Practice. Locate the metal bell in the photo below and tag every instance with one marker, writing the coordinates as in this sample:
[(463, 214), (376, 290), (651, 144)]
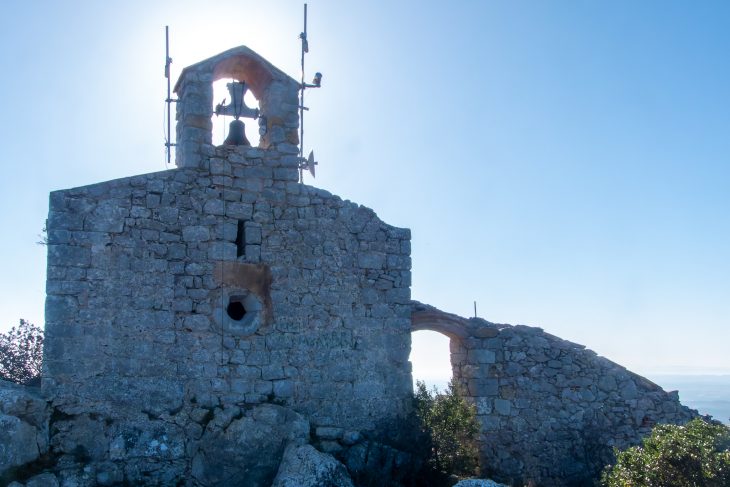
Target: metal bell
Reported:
[(236, 134)]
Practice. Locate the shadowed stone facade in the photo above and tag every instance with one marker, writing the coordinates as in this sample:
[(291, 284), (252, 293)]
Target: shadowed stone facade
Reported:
[(146, 274), (206, 322)]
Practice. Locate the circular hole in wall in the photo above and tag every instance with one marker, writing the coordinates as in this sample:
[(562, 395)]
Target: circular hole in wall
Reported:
[(236, 310), (239, 313)]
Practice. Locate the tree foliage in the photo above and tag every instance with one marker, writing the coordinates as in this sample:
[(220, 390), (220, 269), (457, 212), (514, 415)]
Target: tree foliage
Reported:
[(21, 354), (694, 455), (450, 420)]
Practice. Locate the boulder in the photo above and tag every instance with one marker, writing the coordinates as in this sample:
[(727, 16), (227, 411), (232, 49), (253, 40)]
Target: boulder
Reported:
[(18, 443), (43, 480), (25, 402), (244, 448), (304, 466)]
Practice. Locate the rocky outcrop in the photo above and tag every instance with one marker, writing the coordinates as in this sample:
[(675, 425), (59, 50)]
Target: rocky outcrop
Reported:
[(23, 426), (304, 466), (245, 447), (18, 443)]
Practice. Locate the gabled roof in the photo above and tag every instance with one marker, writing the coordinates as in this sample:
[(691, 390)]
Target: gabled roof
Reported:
[(243, 64)]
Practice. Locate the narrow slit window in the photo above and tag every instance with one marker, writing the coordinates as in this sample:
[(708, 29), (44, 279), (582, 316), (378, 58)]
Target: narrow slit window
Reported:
[(240, 239)]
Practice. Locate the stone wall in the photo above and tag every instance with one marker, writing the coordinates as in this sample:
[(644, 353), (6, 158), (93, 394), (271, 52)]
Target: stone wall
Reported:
[(226, 284), (550, 410)]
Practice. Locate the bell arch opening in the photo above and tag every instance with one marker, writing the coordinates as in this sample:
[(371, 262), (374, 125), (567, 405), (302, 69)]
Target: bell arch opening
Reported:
[(271, 123), (221, 124)]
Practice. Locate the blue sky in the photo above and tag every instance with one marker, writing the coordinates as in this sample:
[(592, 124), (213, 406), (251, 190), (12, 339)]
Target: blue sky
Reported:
[(566, 164)]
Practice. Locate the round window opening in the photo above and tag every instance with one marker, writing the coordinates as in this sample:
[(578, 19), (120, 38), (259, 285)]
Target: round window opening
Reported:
[(236, 310), (240, 313)]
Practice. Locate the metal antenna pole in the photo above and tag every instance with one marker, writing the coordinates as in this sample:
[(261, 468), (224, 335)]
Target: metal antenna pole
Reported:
[(308, 163), (305, 48), (168, 100)]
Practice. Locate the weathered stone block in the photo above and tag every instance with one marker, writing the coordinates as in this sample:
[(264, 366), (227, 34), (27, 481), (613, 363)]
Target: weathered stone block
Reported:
[(304, 466), (241, 386), (329, 432), (398, 296), (197, 322), (481, 356), (502, 407), (222, 251), (60, 308), (214, 207), (252, 232), (483, 387), (196, 233), (248, 449), (60, 220), (371, 260), (283, 388), (607, 383), (220, 166), (18, 443), (242, 211), (70, 255)]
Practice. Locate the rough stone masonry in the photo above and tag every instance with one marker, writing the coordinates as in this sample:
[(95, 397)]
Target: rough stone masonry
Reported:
[(205, 322)]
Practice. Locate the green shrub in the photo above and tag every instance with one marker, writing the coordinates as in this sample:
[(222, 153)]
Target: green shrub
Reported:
[(21, 354), (450, 421), (694, 455)]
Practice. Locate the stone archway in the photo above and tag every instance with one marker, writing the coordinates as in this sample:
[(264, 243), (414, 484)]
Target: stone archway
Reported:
[(454, 327), (471, 351), (471, 359), (426, 317)]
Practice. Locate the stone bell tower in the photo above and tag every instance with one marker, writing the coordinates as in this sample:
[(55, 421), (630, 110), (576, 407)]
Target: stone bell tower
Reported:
[(223, 285), (276, 92)]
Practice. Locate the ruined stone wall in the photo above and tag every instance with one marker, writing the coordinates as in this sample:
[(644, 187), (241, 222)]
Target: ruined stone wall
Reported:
[(226, 284), (550, 410)]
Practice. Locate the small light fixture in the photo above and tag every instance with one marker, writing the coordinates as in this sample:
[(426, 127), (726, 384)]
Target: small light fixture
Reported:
[(317, 81)]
